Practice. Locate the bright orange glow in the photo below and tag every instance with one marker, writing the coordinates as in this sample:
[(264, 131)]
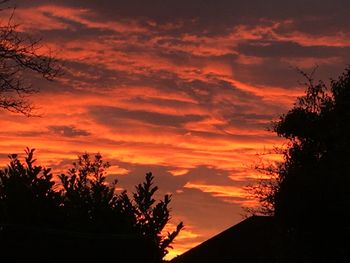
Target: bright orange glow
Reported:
[(218, 190)]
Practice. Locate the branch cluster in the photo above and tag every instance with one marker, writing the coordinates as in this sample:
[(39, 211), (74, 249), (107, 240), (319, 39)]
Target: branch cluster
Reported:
[(20, 56)]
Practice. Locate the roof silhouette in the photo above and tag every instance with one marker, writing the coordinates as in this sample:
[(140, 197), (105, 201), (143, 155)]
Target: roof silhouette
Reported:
[(256, 239)]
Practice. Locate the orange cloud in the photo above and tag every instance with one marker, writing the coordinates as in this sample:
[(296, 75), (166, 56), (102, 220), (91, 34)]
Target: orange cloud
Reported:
[(219, 190)]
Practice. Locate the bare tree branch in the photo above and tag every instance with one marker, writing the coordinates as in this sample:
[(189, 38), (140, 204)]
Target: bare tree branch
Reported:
[(20, 54)]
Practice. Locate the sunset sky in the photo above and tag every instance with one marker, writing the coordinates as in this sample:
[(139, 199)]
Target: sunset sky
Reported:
[(182, 88)]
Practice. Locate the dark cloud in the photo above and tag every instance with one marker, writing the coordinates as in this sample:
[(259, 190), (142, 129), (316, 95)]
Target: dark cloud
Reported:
[(183, 58), (276, 72), (75, 33), (114, 116), (162, 102), (83, 74), (288, 49), (215, 17), (222, 134), (206, 92), (320, 24), (67, 131), (248, 120), (270, 72)]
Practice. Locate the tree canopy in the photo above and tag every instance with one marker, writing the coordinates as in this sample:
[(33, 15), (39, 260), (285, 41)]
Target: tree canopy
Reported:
[(310, 193), (84, 202)]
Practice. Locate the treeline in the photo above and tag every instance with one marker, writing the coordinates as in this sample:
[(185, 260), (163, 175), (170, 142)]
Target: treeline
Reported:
[(81, 203), (308, 193)]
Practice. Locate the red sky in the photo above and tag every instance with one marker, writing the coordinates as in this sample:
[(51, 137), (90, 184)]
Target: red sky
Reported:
[(184, 89)]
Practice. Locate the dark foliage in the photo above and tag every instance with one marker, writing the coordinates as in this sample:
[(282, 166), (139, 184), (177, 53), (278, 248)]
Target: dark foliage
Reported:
[(149, 218), (87, 200), (310, 195), (26, 193), (84, 207)]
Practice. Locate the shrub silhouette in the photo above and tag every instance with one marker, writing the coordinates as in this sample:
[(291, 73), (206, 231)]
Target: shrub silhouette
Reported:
[(310, 195), (149, 218), (27, 193), (88, 202), (83, 203)]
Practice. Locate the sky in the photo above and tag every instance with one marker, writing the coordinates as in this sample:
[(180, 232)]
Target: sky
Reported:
[(184, 89)]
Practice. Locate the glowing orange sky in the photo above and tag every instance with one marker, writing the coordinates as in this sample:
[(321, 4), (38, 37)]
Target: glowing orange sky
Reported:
[(186, 95)]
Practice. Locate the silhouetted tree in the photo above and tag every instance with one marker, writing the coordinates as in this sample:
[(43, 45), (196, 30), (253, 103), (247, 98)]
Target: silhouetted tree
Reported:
[(83, 203), (20, 55), (87, 200), (92, 204), (148, 217), (27, 194), (310, 194)]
